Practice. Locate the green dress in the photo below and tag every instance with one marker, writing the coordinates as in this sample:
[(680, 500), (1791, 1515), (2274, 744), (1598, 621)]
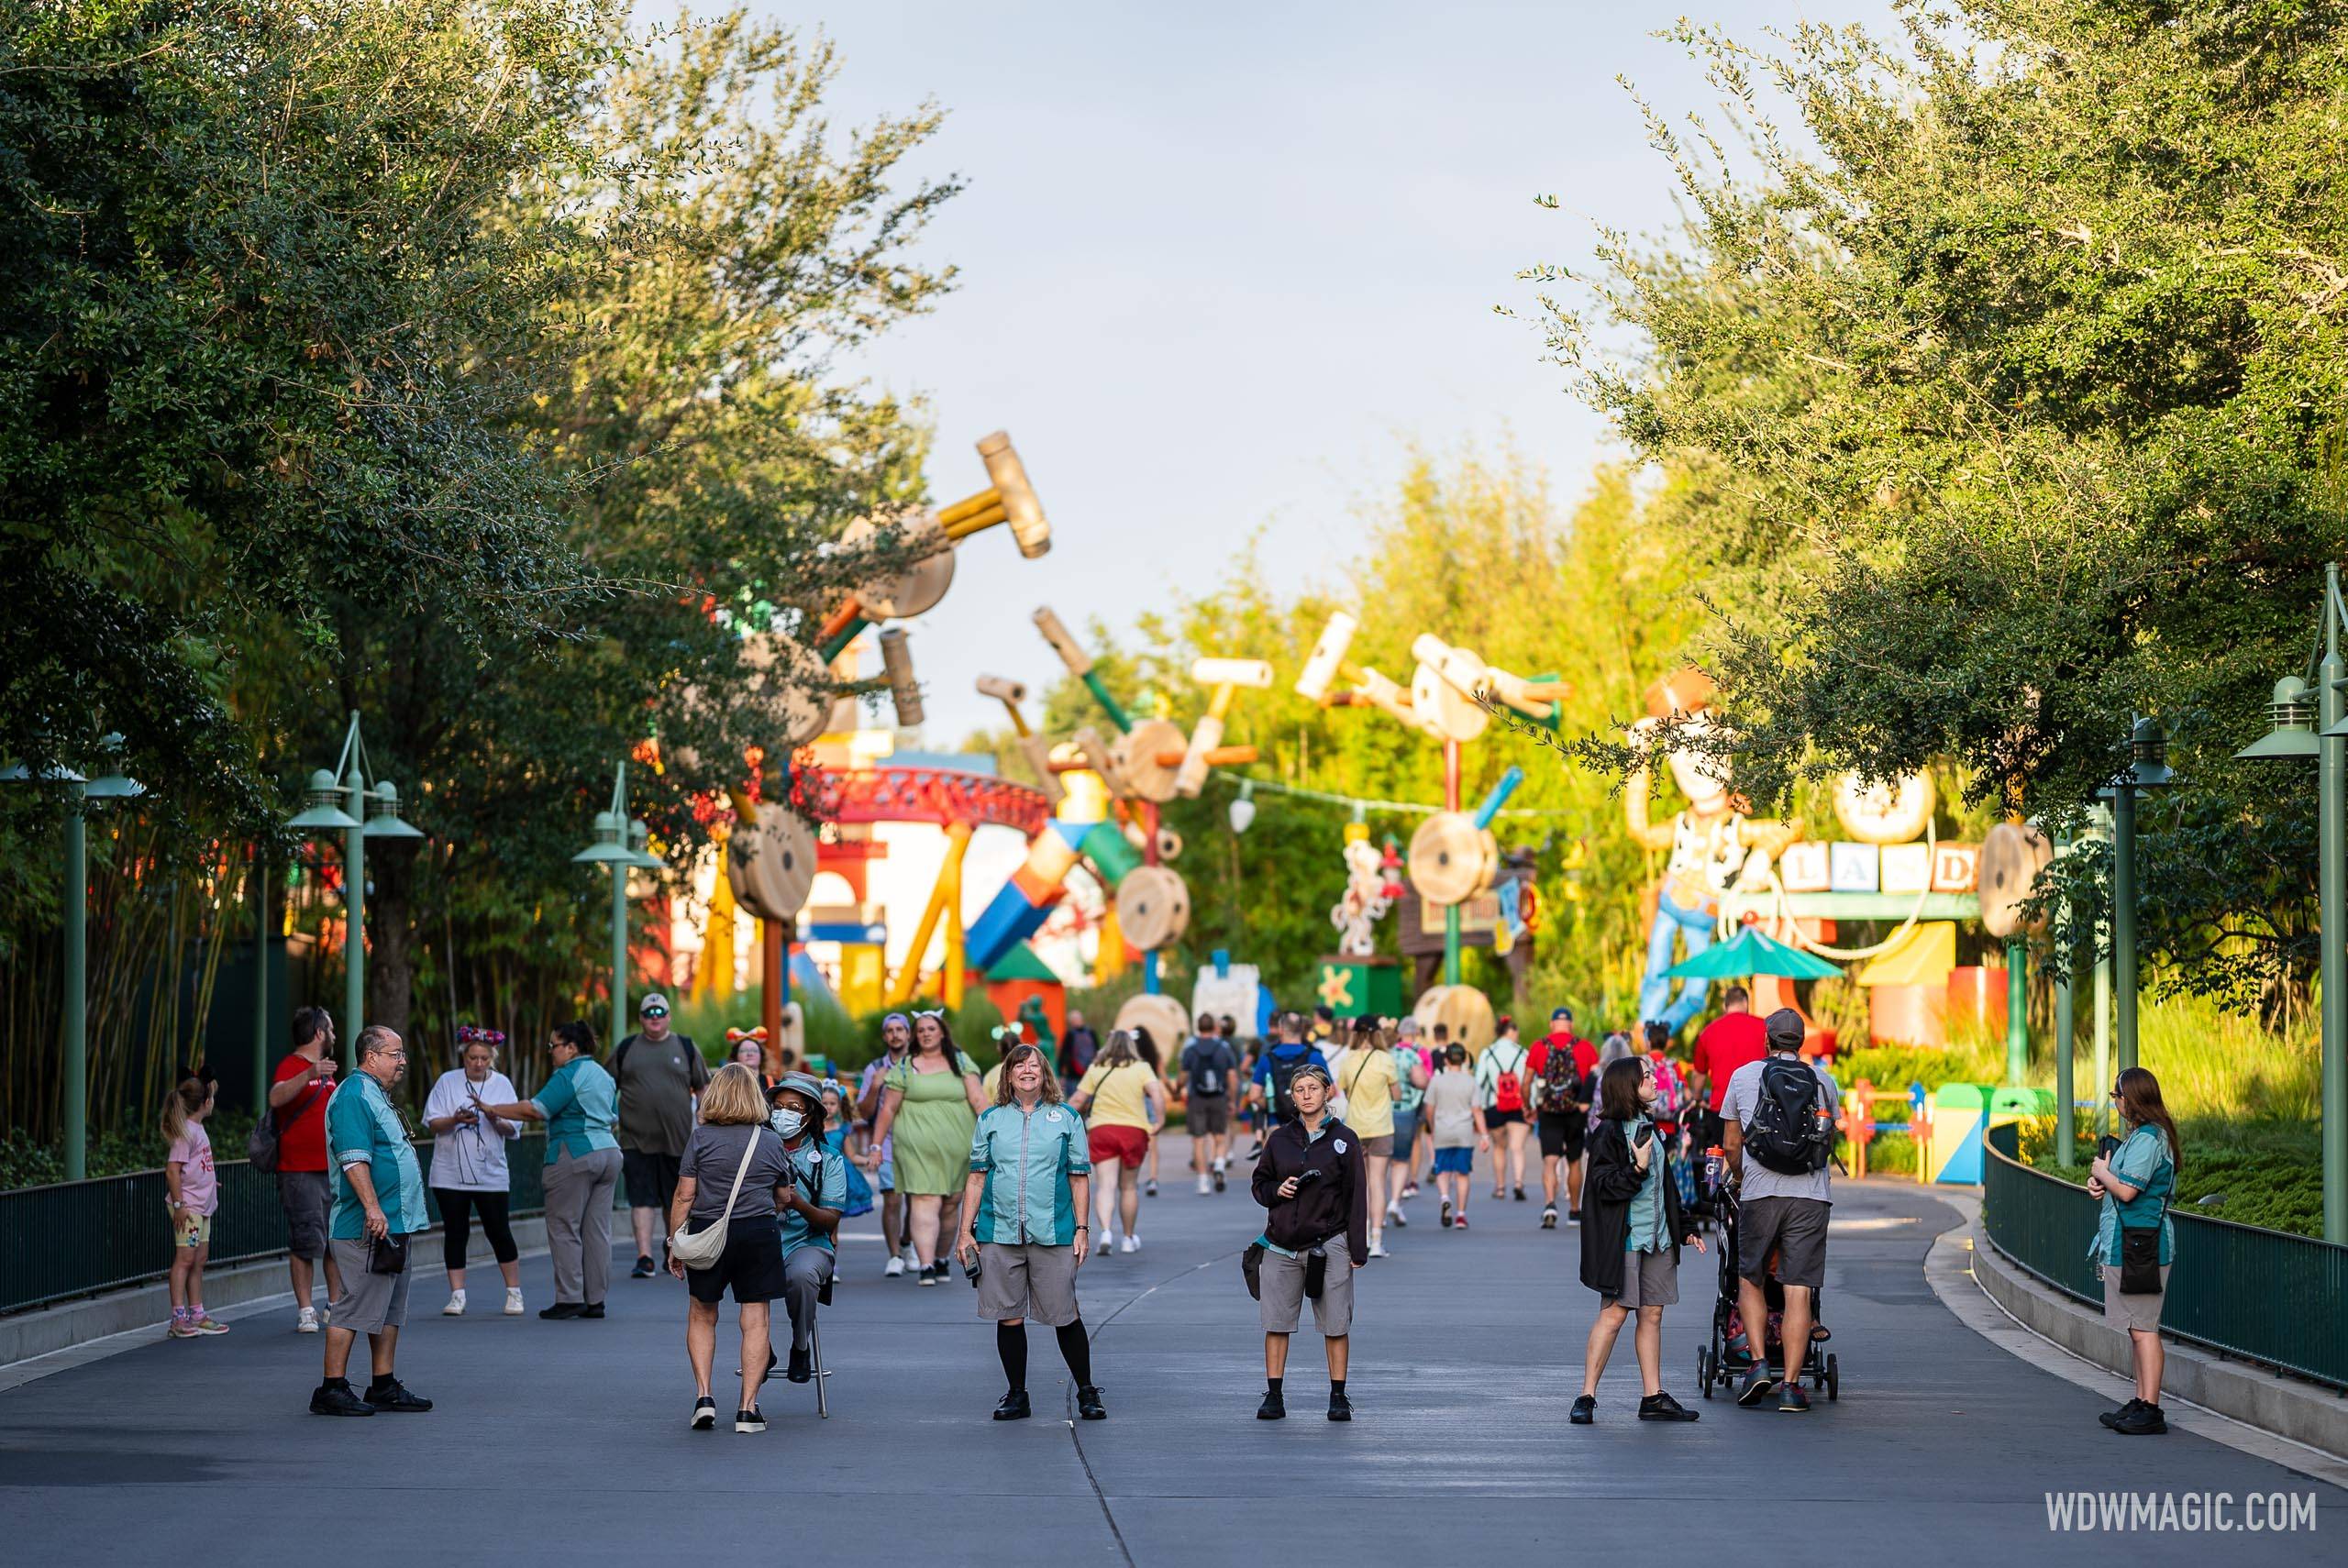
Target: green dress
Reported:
[(931, 1136)]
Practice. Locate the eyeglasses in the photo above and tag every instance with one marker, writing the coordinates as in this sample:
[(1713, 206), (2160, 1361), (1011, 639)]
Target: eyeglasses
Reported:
[(656, 1012)]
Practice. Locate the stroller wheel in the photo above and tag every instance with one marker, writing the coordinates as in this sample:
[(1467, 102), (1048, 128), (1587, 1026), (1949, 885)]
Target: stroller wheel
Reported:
[(1706, 1366), (1833, 1379)]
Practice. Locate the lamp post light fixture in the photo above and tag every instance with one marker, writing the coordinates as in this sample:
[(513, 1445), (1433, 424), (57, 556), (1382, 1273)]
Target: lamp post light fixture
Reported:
[(2306, 724), (622, 846), (339, 800), (1243, 810), (73, 1023), (2147, 768)]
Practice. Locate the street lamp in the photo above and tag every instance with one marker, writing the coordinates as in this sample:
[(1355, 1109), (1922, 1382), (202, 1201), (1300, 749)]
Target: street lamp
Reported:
[(620, 844), (73, 1027), (2147, 768), (2293, 718), (1243, 810), (341, 802)]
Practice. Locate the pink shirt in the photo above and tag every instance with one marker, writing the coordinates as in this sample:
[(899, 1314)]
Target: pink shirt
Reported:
[(199, 1187)]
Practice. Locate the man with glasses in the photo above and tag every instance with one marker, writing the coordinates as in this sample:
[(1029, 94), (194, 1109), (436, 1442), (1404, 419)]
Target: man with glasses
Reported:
[(378, 1204), (659, 1073)]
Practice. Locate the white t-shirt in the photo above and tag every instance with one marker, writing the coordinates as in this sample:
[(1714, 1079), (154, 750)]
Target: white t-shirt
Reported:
[(1499, 1056), (469, 1159), (1739, 1104)]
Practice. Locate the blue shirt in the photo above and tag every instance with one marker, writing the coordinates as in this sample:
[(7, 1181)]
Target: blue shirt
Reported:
[(2144, 1163), (1028, 1157), (363, 1128), (579, 1102), (1645, 1233), (1301, 1053), (820, 1172)]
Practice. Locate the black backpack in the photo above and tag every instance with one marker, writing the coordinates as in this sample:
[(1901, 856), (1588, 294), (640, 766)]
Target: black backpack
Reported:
[(1560, 1084), (1792, 1130), (1284, 1070), (1209, 1065)]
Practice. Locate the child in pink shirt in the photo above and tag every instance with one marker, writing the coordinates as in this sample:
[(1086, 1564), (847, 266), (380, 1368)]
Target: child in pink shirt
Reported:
[(194, 1190)]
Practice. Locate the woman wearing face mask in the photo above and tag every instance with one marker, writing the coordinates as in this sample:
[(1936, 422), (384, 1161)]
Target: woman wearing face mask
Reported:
[(1630, 1235), (468, 1174), (929, 1105), (1023, 1224), (1310, 1178), (809, 1209)]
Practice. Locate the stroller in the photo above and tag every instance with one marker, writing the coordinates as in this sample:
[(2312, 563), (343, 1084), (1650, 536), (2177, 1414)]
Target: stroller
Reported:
[(1729, 1355)]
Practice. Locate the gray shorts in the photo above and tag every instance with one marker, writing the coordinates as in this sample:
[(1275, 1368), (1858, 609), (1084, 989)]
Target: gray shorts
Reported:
[(1027, 1280), (370, 1303), (1282, 1279), (307, 1198), (1649, 1280), (1206, 1115), (1795, 1228), (2141, 1313)]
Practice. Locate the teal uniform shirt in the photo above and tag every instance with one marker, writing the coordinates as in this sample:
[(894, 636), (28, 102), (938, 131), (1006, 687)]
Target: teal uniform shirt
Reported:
[(363, 1128), (820, 1172), (1028, 1157), (2144, 1163), (1645, 1233), (579, 1102)]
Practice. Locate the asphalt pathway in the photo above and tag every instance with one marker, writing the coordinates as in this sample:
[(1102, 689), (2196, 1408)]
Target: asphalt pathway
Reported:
[(566, 1442)]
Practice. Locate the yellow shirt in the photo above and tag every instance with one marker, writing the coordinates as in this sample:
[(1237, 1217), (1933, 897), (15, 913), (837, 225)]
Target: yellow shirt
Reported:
[(1367, 1080), (1116, 1095)]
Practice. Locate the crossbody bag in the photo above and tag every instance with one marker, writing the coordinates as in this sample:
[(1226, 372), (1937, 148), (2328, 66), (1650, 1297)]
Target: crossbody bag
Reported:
[(702, 1248)]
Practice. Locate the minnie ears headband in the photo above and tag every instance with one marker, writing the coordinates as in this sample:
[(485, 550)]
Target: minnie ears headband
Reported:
[(735, 1036), (479, 1034)]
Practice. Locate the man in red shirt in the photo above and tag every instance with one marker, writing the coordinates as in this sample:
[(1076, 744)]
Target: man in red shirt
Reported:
[(1563, 1113), (304, 1082), (1728, 1042)]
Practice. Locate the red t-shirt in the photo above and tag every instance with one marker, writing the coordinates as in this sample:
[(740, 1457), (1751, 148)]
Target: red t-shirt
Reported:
[(302, 1125), (1537, 1060), (1727, 1044)]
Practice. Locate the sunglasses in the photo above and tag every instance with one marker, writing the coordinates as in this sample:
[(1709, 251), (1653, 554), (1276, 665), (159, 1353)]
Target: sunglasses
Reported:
[(656, 1012)]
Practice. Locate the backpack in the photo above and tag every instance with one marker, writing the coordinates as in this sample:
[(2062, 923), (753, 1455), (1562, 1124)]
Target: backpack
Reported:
[(1670, 1093), (1792, 1132), (1560, 1084), (1283, 1072), (261, 1143), (1206, 1065), (1507, 1089)]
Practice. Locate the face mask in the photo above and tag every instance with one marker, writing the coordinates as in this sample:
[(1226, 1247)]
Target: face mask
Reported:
[(790, 1121)]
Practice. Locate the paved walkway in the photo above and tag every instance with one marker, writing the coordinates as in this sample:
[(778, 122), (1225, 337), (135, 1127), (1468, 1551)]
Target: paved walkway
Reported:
[(566, 1442)]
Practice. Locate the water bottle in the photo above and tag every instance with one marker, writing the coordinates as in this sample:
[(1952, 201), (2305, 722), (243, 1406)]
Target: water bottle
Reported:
[(1715, 1168)]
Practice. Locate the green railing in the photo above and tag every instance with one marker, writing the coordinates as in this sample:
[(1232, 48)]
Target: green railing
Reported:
[(2264, 1296), (76, 1238)]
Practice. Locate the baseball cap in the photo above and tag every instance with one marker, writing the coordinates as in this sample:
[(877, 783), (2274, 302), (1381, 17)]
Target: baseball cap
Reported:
[(1557, 1013), (801, 1082), (1785, 1030), (654, 1005)]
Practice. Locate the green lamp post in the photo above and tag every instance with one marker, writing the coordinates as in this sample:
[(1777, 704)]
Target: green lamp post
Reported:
[(2147, 768), (341, 802), (73, 1025), (2294, 717), (620, 844)]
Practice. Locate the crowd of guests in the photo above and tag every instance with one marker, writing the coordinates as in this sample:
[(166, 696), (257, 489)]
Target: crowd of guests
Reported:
[(740, 1178)]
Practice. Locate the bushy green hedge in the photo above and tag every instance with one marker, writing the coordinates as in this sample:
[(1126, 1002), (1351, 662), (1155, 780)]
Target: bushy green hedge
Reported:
[(2268, 1174)]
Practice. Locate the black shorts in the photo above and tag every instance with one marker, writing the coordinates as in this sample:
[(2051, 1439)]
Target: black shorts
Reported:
[(1561, 1135), (1503, 1118), (652, 1179), (1795, 1228), (752, 1264)]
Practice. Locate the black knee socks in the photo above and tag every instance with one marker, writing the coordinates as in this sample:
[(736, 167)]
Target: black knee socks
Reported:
[(1077, 1350), (1010, 1343)]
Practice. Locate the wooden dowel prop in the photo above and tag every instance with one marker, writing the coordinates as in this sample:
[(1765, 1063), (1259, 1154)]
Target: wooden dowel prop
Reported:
[(897, 662), (963, 527), (849, 609), (961, 511), (1020, 508), (1072, 652), (1498, 798)]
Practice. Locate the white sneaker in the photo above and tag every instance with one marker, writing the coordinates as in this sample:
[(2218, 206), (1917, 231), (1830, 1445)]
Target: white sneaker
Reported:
[(514, 1301), (909, 1257), (1130, 1245), (455, 1308), (1377, 1249), (1206, 1182), (1395, 1217), (1219, 1166), (306, 1320), (894, 1268)]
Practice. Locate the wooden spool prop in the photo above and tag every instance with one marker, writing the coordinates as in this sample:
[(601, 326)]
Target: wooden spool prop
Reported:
[(1153, 907), (2013, 854), (772, 863), (1164, 1016), (1462, 1010)]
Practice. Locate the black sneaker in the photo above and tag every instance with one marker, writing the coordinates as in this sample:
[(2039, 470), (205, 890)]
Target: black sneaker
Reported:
[(1664, 1407), (563, 1309), (2145, 1420), (338, 1399), (704, 1414), (1218, 1181), (803, 1366), (1520, 1195), (1585, 1410), (2109, 1417), (397, 1398), (1757, 1383), (1550, 1218), (643, 1269), (1273, 1409), (750, 1420), (593, 1310), (1088, 1406), (1340, 1407), (1792, 1401), (1014, 1407)]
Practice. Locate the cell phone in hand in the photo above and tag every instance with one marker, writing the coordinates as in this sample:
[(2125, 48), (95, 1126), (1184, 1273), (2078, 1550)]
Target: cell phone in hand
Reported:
[(1646, 1136)]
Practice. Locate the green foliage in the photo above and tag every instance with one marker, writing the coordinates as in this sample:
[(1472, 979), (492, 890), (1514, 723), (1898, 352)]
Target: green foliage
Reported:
[(2004, 416), (2268, 1174)]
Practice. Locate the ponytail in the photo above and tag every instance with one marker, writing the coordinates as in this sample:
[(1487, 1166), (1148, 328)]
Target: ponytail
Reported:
[(186, 1100), (2140, 1103)]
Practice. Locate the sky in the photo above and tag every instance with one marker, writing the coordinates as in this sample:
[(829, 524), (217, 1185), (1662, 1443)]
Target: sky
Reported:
[(1223, 267)]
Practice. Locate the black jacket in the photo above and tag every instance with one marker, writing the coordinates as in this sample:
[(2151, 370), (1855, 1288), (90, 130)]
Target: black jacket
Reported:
[(1614, 1180), (1337, 1204)]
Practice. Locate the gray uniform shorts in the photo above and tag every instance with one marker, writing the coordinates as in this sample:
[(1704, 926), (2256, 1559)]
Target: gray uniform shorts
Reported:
[(1282, 1280), (1027, 1280), (370, 1303), (1649, 1280), (2141, 1313)]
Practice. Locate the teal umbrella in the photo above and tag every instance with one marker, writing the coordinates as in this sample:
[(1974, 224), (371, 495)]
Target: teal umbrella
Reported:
[(1750, 953)]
